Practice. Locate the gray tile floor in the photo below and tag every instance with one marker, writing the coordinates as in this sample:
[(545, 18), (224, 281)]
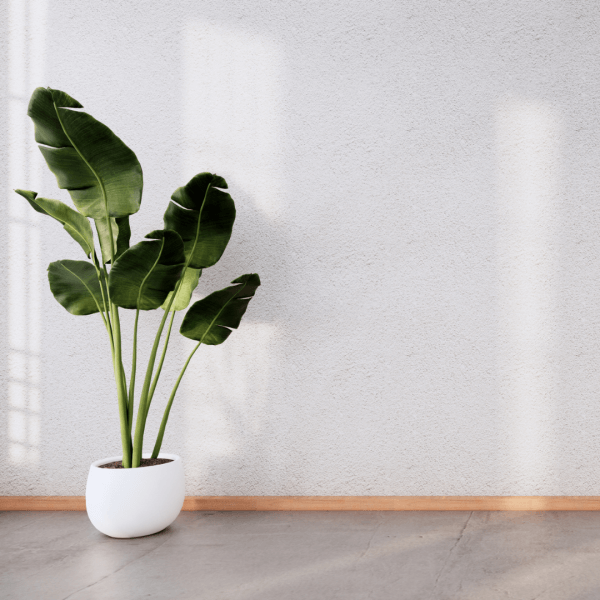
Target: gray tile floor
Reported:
[(307, 555)]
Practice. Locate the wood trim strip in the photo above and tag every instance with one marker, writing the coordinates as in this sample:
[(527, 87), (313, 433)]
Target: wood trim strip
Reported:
[(397, 503), (335, 503), (42, 502)]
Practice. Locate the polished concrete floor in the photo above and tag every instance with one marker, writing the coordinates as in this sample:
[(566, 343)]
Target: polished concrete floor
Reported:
[(307, 555)]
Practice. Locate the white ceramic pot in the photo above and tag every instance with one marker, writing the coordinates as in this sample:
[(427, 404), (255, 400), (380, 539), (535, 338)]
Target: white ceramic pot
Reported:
[(128, 503)]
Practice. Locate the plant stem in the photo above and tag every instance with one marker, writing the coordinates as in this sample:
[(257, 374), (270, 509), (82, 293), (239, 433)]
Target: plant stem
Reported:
[(133, 367), (161, 431), (107, 321), (148, 374), (121, 391), (115, 325), (160, 363), (101, 282), (120, 378), (140, 424)]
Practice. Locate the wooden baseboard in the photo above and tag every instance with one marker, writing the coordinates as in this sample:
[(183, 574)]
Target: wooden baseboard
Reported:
[(337, 503), (42, 502)]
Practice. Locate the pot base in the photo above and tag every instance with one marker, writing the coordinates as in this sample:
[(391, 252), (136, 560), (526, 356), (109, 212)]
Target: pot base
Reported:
[(129, 503)]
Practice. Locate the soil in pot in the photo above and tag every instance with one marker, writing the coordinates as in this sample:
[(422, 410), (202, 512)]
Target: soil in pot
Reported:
[(146, 462)]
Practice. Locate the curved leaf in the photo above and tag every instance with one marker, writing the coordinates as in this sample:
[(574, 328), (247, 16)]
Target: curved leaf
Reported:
[(75, 285), (121, 235), (76, 225), (189, 282), (208, 320), (203, 215), (144, 275), (100, 172)]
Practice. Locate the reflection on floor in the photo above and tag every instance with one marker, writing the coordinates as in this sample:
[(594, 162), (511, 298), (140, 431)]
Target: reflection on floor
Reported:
[(306, 556)]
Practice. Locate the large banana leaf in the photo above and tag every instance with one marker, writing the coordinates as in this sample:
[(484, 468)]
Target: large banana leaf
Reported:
[(203, 215), (75, 285), (210, 320), (76, 225), (100, 172), (189, 282), (121, 234), (144, 275)]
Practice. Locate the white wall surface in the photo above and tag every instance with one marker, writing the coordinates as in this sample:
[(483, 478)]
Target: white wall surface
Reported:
[(417, 184)]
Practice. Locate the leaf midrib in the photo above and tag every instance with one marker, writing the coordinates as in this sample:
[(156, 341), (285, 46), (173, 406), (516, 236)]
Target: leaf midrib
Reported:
[(149, 272), (222, 309), (83, 283), (199, 226), (75, 232), (100, 183), (188, 260)]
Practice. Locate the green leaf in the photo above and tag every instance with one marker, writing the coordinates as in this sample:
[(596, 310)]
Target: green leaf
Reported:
[(75, 285), (189, 282), (210, 320), (203, 216), (76, 225), (144, 275), (121, 235), (100, 172)]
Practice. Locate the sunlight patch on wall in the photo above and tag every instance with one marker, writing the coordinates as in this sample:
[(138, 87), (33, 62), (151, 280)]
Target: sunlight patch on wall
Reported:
[(527, 134), (230, 107), (25, 69)]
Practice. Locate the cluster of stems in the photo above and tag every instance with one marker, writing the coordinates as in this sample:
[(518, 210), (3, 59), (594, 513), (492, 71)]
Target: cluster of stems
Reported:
[(132, 441)]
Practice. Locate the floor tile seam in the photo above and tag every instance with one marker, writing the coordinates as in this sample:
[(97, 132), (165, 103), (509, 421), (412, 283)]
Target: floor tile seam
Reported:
[(454, 546), (364, 553), (137, 558)]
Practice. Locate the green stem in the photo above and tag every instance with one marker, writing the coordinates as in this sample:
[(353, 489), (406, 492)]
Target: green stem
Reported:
[(109, 331), (187, 262), (107, 321), (140, 424), (120, 379), (133, 367), (118, 363), (138, 438), (103, 281), (161, 431), (121, 391), (160, 363)]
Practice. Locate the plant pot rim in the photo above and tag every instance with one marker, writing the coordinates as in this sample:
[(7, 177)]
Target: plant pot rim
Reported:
[(97, 464)]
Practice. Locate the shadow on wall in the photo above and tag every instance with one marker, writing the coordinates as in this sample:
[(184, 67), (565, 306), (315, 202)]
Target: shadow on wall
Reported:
[(416, 186), (232, 120), (231, 117)]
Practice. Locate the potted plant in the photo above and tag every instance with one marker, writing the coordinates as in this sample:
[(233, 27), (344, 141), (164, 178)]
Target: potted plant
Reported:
[(104, 180)]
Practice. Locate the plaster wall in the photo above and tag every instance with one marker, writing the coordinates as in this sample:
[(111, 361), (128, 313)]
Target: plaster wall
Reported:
[(417, 186)]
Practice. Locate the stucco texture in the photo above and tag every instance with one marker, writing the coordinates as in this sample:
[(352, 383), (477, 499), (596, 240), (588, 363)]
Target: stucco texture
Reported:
[(417, 185)]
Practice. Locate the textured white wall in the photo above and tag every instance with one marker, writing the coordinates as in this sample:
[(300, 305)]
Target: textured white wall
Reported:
[(417, 184)]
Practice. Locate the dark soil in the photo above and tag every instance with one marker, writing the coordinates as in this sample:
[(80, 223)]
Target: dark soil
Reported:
[(146, 462)]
